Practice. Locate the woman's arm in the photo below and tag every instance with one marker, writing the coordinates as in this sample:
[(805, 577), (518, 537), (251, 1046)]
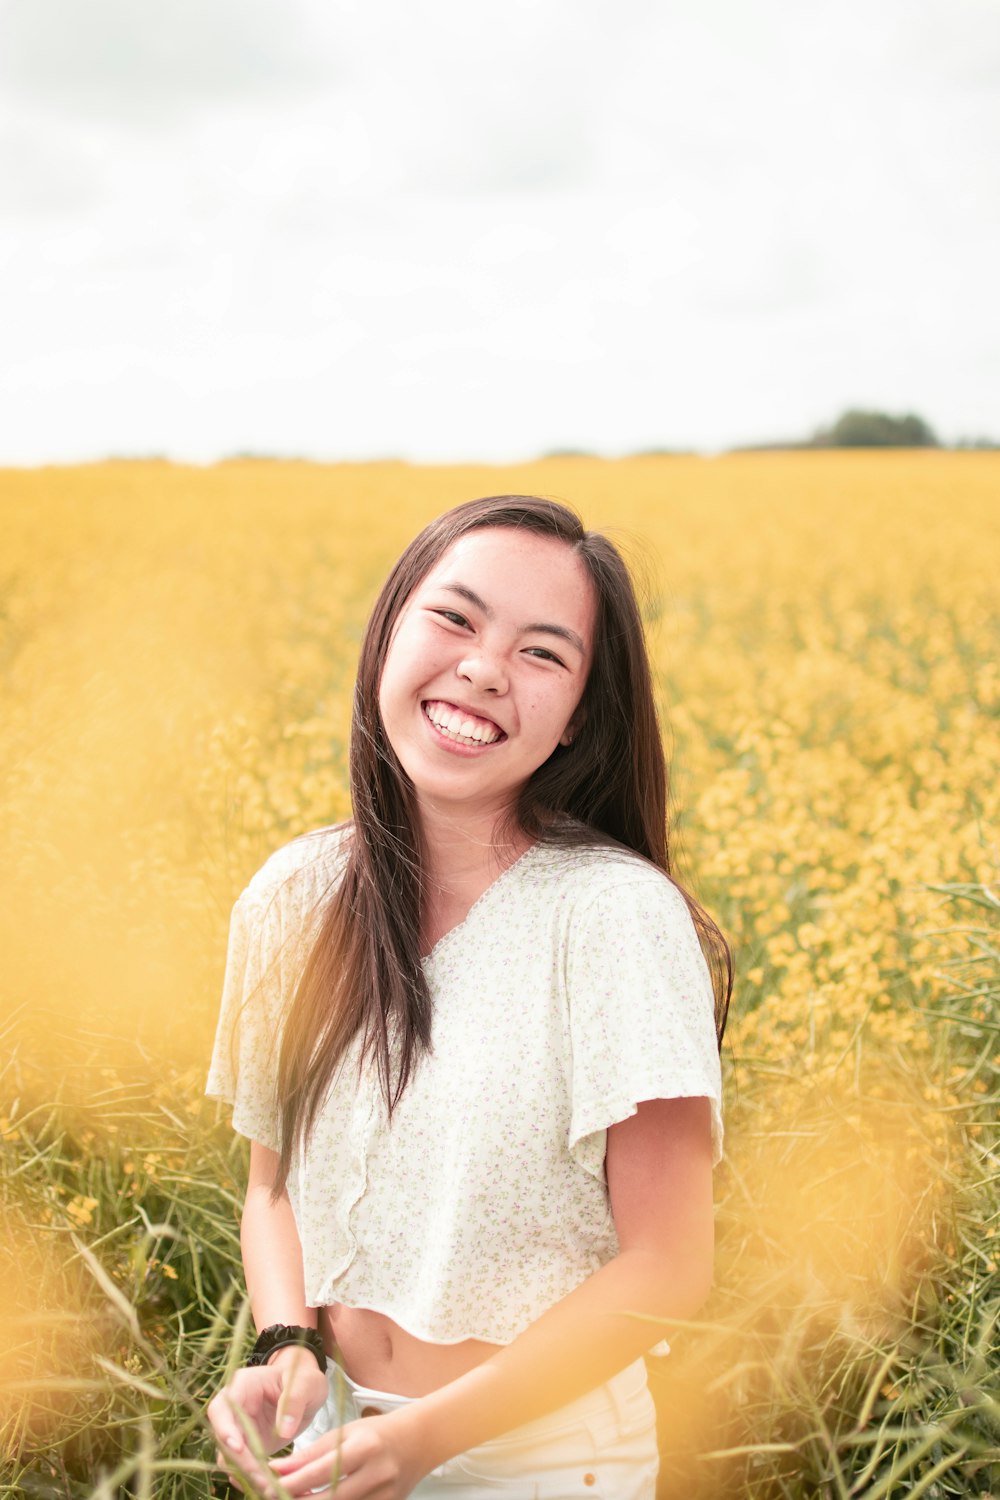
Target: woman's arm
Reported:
[(272, 1252), (279, 1397), (659, 1168)]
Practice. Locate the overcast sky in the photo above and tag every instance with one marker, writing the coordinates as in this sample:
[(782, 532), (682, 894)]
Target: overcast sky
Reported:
[(460, 229)]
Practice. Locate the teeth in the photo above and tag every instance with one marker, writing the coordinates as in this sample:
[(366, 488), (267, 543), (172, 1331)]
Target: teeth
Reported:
[(459, 727)]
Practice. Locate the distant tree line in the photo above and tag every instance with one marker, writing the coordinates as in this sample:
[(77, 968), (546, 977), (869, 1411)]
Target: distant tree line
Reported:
[(876, 429), (859, 428)]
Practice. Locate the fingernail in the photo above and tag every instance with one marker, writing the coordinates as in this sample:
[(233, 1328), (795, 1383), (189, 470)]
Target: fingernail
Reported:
[(287, 1426), (235, 1441)]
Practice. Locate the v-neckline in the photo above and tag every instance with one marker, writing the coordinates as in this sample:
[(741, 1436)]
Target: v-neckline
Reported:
[(480, 900)]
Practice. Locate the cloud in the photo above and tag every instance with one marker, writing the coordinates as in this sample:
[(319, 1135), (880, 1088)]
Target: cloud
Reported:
[(506, 225), (960, 46), (44, 171), (148, 63)]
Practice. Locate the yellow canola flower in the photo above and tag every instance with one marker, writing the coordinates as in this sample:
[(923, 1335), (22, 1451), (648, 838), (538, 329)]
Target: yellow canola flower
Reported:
[(81, 1210), (181, 647)]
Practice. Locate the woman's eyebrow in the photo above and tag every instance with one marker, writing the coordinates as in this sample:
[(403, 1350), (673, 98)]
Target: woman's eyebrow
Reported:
[(464, 592), (562, 631)]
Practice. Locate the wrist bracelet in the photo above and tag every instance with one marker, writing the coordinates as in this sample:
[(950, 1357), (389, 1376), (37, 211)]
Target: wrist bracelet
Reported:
[(283, 1335)]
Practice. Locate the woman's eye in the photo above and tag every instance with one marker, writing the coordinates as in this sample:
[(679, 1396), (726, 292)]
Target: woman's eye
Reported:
[(544, 655), (452, 616)]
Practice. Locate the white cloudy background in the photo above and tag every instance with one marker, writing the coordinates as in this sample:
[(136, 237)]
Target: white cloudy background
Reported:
[(460, 229)]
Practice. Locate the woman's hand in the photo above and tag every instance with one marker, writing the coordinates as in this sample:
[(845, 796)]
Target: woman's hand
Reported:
[(275, 1401), (374, 1458)]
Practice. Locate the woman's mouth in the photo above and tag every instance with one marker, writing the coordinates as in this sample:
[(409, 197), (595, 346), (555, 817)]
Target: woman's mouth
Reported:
[(462, 727)]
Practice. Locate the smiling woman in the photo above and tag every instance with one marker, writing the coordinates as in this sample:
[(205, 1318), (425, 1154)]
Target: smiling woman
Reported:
[(473, 1038), (474, 701)]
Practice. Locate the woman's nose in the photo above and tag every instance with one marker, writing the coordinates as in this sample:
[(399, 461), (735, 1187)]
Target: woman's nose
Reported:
[(484, 671)]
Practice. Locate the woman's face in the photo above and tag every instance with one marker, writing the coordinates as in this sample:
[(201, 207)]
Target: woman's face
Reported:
[(486, 667)]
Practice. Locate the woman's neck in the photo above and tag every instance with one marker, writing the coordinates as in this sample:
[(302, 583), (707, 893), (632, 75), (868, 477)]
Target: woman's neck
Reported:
[(462, 857)]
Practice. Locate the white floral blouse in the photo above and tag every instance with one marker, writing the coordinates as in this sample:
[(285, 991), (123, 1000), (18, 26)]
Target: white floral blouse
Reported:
[(574, 988)]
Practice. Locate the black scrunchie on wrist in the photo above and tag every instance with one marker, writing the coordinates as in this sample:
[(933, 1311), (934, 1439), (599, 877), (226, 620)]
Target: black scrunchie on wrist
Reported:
[(282, 1336)]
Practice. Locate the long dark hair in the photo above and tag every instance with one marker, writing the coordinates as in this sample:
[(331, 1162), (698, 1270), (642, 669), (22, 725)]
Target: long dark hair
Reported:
[(364, 974)]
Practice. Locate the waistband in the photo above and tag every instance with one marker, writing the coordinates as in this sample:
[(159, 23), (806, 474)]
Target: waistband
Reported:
[(614, 1393)]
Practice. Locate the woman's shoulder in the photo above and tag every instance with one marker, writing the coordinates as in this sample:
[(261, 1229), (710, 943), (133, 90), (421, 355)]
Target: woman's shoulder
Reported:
[(302, 870), (605, 872)]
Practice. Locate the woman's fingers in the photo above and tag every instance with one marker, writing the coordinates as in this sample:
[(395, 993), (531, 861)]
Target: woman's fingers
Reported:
[(325, 1455), (224, 1423), (356, 1462), (222, 1462), (325, 1473), (242, 1468), (322, 1465), (261, 1406), (303, 1392), (241, 1451)]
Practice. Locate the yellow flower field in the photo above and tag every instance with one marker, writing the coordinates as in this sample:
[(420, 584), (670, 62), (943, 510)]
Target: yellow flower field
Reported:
[(178, 649)]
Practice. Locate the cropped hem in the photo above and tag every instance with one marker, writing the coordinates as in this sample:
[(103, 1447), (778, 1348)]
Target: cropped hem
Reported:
[(418, 1330), (658, 1349)]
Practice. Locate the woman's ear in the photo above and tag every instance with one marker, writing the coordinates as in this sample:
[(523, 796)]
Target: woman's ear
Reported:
[(572, 728)]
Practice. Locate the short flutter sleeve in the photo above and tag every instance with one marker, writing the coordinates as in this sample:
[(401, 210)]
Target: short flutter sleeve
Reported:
[(273, 928), (641, 1010), (243, 1070)]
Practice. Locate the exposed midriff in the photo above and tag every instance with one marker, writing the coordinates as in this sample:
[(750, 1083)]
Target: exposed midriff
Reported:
[(377, 1353)]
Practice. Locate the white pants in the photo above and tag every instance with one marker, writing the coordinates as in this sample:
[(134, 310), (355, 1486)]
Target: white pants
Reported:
[(601, 1446)]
